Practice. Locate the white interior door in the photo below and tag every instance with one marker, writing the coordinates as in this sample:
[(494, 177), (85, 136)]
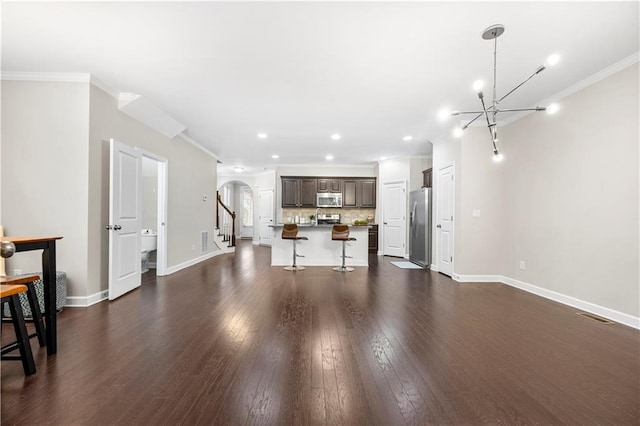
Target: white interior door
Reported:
[(124, 219), (394, 213), (266, 216), (444, 227)]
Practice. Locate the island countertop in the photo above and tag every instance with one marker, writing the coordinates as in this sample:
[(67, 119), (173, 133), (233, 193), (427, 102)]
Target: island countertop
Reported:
[(319, 249)]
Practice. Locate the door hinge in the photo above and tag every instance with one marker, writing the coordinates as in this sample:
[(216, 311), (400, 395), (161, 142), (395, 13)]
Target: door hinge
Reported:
[(451, 218), (451, 259)]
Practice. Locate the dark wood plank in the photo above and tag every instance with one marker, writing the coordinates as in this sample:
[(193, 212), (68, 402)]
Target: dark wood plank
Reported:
[(236, 341)]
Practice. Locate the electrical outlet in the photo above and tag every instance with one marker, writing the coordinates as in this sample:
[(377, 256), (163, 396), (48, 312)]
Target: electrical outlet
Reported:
[(104, 295), (522, 265), (17, 272)]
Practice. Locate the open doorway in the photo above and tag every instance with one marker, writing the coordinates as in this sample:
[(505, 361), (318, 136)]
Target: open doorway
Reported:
[(153, 214), (238, 196)]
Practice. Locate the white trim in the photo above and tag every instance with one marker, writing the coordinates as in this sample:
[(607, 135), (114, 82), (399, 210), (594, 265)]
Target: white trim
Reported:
[(191, 262), (84, 302), (163, 201), (478, 278), (612, 314), (197, 145), (592, 79), (602, 311), (61, 77), (103, 86)]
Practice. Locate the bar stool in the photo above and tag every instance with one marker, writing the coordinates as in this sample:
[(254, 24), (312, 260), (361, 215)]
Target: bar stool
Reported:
[(9, 293), (341, 233), (290, 232), (32, 300)]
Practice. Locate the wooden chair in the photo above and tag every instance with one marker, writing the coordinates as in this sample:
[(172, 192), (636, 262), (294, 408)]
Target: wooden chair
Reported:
[(9, 294), (341, 233), (290, 232)]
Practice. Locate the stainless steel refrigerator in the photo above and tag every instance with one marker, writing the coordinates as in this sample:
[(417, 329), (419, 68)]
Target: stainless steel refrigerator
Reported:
[(420, 227)]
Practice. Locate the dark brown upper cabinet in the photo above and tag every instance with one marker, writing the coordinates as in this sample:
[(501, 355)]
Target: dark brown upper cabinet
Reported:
[(298, 192), (427, 178), (359, 193), (330, 185), (301, 191)]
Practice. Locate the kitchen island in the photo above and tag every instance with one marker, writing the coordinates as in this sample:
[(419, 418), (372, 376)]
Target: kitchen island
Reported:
[(320, 249)]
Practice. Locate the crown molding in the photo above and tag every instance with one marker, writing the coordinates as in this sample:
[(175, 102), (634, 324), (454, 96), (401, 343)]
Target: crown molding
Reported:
[(61, 77), (583, 84), (197, 145)]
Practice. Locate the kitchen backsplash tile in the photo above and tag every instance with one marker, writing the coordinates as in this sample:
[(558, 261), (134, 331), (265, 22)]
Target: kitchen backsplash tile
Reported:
[(346, 215)]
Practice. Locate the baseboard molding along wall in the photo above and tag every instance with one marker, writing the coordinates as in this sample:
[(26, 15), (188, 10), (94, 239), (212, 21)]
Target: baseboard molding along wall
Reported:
[(84, 302), (613, 315)]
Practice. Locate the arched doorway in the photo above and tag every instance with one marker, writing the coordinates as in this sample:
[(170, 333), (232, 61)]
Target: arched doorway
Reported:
[(238, 196)]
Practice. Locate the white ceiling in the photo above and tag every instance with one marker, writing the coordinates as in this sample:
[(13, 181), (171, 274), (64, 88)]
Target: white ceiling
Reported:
[(373, 72)]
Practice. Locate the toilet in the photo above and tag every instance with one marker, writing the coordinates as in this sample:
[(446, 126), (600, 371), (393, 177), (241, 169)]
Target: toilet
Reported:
[(149, 244)]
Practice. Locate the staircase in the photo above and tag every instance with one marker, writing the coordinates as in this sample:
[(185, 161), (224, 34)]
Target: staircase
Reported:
[(224, 237)]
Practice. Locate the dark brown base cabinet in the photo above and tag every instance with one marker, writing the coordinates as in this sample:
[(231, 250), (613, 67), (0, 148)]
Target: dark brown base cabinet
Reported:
[(373, 239)]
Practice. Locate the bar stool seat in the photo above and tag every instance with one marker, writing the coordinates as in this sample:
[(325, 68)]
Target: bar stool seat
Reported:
[(290, 232), (341, 233), (9, 293)]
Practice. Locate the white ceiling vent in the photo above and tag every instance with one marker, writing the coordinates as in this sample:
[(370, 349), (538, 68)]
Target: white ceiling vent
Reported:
[(139, 108)]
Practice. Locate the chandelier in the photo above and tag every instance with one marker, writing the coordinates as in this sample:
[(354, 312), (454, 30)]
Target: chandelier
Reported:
[(491, 112)]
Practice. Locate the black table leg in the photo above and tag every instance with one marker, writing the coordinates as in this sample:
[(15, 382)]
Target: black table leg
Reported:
[(49, 285)]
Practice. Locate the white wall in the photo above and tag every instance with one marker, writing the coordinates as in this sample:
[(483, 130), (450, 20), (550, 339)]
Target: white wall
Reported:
[(572, 186), (480, 188), (191, 175), (149, 194), (61, 130), (565, 199), (45, 127)]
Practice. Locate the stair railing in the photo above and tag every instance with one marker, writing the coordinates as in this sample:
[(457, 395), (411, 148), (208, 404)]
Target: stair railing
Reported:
[(228, 222)]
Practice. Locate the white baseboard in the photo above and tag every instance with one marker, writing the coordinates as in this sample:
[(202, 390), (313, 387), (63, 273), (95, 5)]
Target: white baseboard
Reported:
[(83, 302), (613, 315), (191, 262), (477, 278), (255, 242), (608, 313)]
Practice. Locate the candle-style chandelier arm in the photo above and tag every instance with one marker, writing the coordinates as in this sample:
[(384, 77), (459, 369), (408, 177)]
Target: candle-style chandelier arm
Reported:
[(538, 71), (491, 111)]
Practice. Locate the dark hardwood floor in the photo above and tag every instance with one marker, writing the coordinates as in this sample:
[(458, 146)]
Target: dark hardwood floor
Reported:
[(236, 341)]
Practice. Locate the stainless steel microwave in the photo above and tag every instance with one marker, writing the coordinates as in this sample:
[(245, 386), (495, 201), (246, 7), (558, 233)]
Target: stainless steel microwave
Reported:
[(328, 200)]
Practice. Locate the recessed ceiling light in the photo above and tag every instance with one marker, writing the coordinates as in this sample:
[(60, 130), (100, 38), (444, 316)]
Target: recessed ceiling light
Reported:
[(383, 158), (238, 169), (275, 156), (552, 109), (407, 138), (329, 157), (336, 137), (262, 135), (457, 132)]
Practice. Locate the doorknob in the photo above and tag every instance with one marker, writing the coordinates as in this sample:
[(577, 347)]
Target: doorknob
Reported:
[(438, 226), (109, 227), (384, 223), (117, 227)]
